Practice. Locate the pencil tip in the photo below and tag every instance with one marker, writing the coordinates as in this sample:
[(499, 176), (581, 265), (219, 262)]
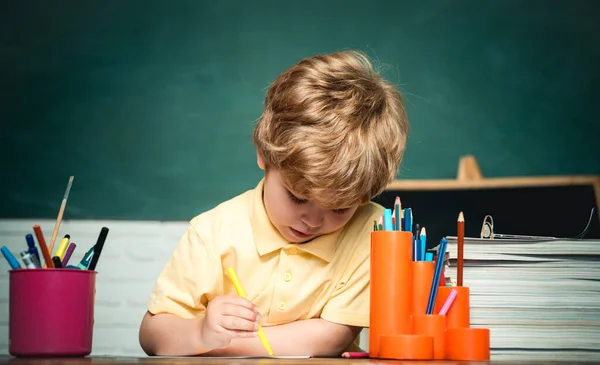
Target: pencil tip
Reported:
[(461, 217), (423, 232)]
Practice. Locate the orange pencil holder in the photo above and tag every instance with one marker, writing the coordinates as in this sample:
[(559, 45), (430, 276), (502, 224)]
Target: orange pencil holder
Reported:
[(432, 325), (467, 344), (459, 314), (399, 326), (422, 277), (391, 285), (406, 347)]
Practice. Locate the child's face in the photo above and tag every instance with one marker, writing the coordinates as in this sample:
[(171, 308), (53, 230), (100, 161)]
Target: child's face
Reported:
[(299, 220)]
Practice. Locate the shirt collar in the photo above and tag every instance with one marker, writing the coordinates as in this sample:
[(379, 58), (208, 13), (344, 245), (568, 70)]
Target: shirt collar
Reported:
[(268, 239)]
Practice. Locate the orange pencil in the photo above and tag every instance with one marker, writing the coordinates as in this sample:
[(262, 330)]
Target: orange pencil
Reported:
[(461, 248), (42, 242)]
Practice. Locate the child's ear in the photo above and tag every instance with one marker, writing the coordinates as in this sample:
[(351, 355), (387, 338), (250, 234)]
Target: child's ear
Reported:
[(259, 160)]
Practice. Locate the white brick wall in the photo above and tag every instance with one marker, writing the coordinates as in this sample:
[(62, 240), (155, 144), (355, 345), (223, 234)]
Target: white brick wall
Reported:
[(133, 256)]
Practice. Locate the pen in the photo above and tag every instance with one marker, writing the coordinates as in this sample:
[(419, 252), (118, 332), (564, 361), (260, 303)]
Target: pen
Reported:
[(12, 261), (98, 248), (238, 288), (32, 250), (416, 245), (85, 261), (57, 263), (30, 261), (62, 246), (68, 254)]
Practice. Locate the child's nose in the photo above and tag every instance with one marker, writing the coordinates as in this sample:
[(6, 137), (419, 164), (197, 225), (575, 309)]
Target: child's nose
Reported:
[(314, 218)]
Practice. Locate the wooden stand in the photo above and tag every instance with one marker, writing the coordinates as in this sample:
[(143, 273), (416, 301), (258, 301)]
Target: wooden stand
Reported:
[(469, 176)]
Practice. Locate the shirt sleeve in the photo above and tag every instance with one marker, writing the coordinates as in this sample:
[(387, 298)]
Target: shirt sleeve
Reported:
[(349, 304), (191, 277)]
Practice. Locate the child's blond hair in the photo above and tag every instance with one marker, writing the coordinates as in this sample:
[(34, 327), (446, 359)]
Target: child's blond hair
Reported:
[(334, 128)]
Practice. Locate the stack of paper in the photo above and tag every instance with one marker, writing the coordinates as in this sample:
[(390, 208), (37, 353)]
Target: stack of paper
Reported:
[(540, 299)]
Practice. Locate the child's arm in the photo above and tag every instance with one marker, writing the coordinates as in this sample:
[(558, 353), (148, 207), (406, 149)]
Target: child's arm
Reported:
[(315, 337), (227, 317), (181, 320), (169, 335), (342, 318)]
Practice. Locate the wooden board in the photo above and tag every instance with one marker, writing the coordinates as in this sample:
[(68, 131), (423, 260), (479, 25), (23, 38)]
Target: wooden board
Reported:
[(556, 205)]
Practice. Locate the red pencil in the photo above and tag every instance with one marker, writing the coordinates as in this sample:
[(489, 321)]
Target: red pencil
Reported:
[(42, 242), (461, 248)]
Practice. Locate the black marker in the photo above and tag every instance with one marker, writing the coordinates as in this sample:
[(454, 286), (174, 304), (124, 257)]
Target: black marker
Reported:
[(57, 262), (98, 248)]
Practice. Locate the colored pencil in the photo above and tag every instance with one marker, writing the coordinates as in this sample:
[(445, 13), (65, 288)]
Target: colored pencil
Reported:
[(408, 219), (439, 264), (387, 220), (423, 241), (448, 302), (42, 242), (461, 248), (241, 292), (397, 211), (355, 355)]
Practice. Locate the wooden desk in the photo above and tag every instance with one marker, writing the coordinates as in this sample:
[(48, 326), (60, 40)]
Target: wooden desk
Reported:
[(99, 360)]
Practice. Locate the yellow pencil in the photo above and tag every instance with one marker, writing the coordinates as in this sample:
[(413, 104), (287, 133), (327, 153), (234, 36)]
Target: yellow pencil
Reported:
[(238, 288)]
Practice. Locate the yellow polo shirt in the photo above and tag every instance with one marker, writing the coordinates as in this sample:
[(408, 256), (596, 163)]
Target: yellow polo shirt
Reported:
[(327, 277)]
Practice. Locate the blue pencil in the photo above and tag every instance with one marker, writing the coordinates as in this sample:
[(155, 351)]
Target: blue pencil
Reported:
[(387, 220), (439, 264), (398, 213), (408, 224)]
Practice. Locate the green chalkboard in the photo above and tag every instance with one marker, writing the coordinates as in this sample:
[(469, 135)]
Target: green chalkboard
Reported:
[(150, 104)]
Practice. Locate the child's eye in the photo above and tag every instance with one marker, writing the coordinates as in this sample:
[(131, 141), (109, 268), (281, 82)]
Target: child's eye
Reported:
[(295, 199), (340, 211)]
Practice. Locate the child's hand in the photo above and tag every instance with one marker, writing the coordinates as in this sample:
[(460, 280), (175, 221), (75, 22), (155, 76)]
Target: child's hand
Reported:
[(228, 317)]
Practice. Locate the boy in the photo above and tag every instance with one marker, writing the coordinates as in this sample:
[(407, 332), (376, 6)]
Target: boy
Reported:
[(330, 138)]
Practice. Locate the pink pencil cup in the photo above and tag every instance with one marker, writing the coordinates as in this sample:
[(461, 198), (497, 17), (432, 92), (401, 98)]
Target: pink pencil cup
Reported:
[(51, 312)]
